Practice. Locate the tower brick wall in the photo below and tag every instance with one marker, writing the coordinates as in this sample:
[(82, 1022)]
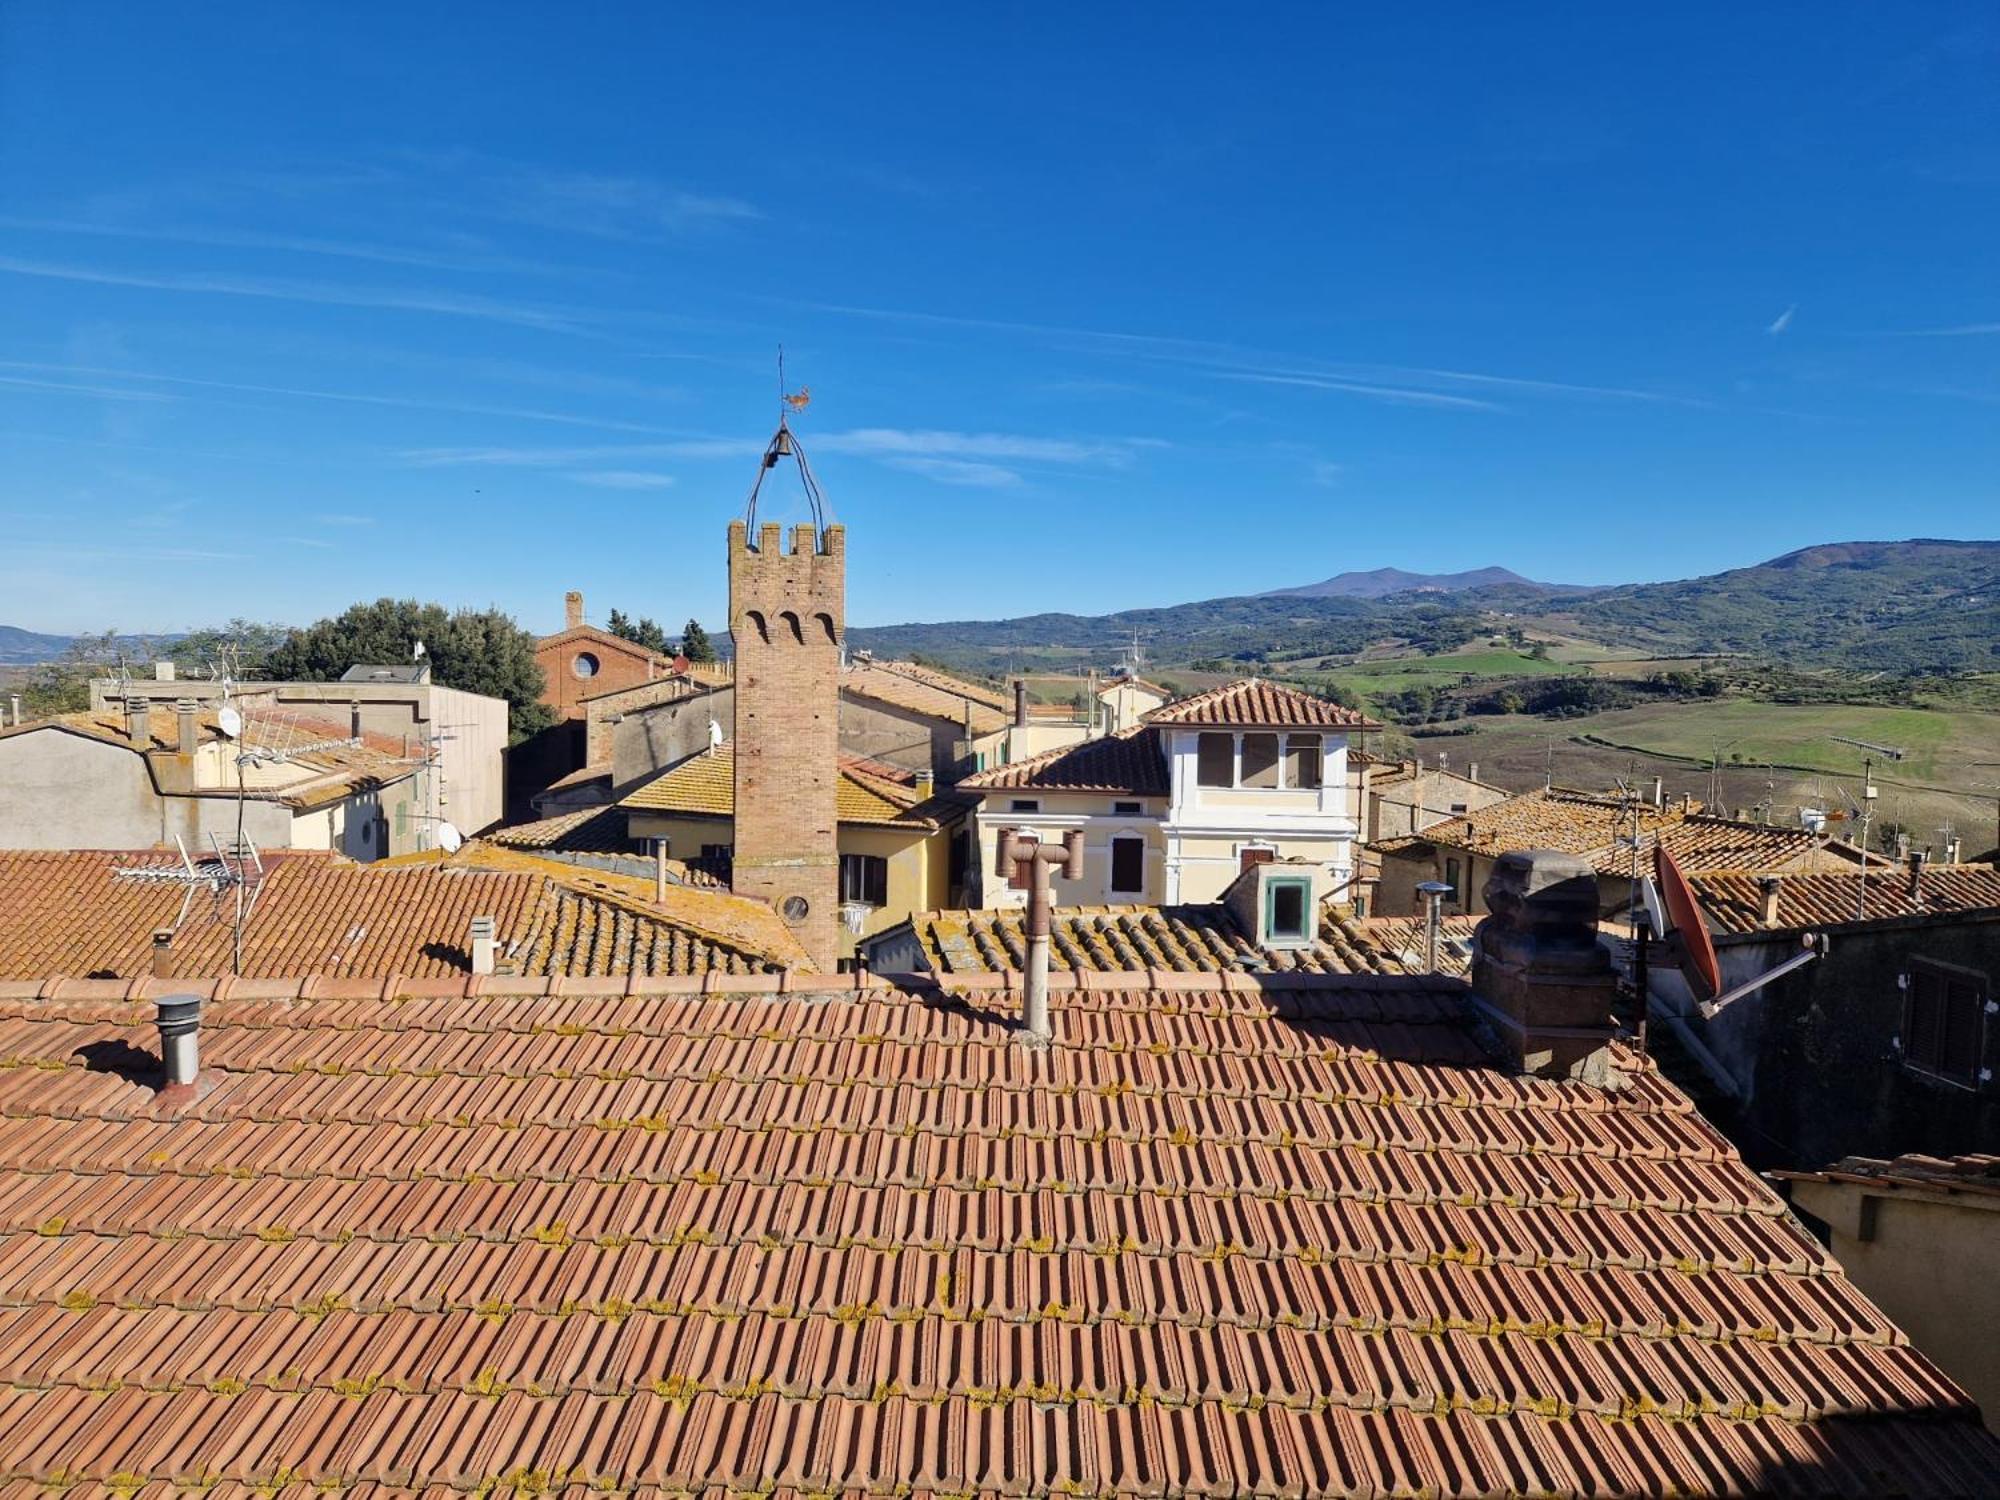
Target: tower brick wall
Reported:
[(787, 613)]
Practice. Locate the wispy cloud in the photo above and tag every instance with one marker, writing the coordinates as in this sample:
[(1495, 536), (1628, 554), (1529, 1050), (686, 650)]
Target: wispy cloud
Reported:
[(449, 304), (1327, 474), (876, 442), (1382, 382), (1398, 395), (561, 458), (605, 205), (231, 239), (1783, 320), (110, 393), (957, 471), (1963, 330), (417, 403), (622, 479)]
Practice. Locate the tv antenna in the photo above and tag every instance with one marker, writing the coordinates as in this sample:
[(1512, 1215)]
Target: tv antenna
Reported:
[(784, 444), (238, 868)]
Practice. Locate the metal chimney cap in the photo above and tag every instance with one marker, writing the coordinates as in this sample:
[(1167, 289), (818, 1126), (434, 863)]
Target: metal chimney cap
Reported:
[(178, 1014), (1433, 888)]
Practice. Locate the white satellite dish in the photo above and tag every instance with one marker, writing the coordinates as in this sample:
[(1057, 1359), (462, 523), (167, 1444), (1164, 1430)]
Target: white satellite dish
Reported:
[(450, 839), (230, 721)]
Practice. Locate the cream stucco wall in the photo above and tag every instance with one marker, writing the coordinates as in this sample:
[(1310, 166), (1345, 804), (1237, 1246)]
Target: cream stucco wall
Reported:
[(1059, 812), (1929, 1263)]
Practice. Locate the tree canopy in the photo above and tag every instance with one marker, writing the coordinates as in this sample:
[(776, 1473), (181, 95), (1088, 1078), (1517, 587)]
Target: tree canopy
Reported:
[(476, 651), (695, 644), (641, 632)]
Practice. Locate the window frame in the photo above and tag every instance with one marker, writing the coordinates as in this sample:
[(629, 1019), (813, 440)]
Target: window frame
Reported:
[(1111, 877), (864, 880), (1024, 805), (1202, 772), (1128, 809), (1950, 979), (1316, 744), (1301, 885)]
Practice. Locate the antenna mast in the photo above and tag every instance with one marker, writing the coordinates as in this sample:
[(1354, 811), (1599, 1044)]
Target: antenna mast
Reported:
[(784, 444)]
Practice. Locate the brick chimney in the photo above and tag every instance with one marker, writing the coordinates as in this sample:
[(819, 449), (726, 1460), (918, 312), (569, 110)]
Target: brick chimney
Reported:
[(1539, 975), (1768, 887), (190, 736), (163, 953), (572, 609), (1020, 703)]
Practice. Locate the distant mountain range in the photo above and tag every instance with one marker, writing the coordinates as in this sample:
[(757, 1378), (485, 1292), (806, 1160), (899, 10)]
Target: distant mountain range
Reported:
[(1378, 583), (1923, 605)]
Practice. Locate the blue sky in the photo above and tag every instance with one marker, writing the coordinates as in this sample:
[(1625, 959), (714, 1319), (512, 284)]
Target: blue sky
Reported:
[(1099, 306)]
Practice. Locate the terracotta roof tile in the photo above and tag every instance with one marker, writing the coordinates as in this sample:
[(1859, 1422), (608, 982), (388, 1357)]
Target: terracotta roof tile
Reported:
[(1192, 938), (1129, 762), (1573, 822), (705, 785), (70, 913), (1275, 1241), (945, 682), (1254, 703), (915, 690), (1733, 901), (584, 830), (1946, 1175)]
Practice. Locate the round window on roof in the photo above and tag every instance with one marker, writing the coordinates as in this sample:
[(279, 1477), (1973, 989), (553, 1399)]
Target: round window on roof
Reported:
[(794, 908), (584, 664)]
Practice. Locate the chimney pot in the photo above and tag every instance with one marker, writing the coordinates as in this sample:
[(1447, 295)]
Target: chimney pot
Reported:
[(138, 723), (1659, 791), (1768, 887), (572, 609), (1020, 703), (1915, 885), (926, 783), (163, 953), (1538, 971), (179, 1018), (485, 947), (354, 719), (189, 725)]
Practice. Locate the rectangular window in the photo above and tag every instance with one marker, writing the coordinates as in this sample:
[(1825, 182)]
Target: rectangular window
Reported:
[(1024, 804), (1302, 761), (1215, 760), (1285, 911), (864, 879), (1944, 1021), (1260, 760), (717, 853), (1127, 809), (1128, 866)]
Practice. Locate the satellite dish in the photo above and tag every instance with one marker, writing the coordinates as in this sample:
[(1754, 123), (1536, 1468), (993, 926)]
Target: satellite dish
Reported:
[(230, 721), (450, 839), (1695, 948)]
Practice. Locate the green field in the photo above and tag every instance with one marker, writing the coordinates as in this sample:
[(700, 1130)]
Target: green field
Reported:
[(1399, 674)]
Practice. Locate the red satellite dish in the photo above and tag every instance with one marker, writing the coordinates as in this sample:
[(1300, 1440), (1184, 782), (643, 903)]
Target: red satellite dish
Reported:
[(1696, 949)]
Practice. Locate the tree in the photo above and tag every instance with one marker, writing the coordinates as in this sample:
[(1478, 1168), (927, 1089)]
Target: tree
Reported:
[(62, 686), (476, 651), (641, 632), (695, 644)]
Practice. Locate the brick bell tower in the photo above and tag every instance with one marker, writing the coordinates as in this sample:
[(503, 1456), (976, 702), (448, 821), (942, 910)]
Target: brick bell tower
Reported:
[(787, 614)]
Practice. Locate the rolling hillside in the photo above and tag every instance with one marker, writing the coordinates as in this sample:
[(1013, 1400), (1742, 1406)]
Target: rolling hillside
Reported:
[(1921, 606)]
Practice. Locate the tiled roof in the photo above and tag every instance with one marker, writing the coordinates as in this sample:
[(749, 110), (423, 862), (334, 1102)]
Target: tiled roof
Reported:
[(343, 768), (597, 636), (891, 684), (1700, 843), (1569, 821), (582, 776), (69, 913), (1947, 1175), (1254, 703), (1733, 901), (705, 785), (583, 830), (944, 682), (1240, 1241), (1407, 938), (1188, 939), (1128, 762)]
